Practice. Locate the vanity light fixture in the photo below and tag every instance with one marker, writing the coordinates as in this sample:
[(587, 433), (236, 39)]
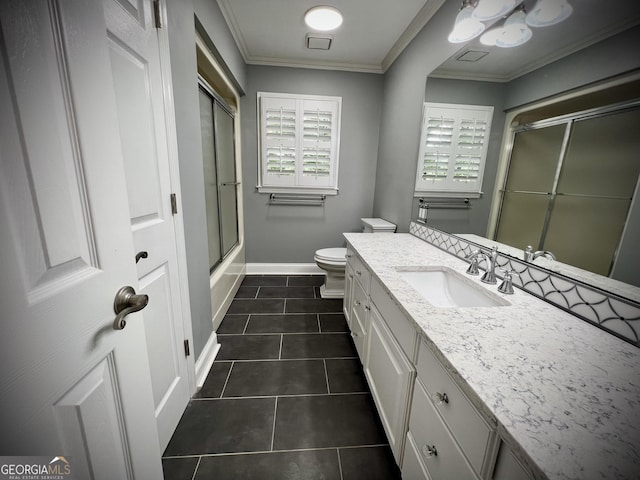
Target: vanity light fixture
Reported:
[(466, 27), (549, 12), (323, 18), (515, 30), (492, 9)]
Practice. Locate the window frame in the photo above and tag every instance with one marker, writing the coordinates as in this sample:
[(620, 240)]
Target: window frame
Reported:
[(298, 183), (450, 188)]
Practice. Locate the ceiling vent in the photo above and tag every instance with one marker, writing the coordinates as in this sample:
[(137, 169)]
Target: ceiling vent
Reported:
[(472, 56), (318, 42)]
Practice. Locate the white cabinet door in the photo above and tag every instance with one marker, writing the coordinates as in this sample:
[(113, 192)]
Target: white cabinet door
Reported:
[(390, 376), (72, 385), (508, 467)]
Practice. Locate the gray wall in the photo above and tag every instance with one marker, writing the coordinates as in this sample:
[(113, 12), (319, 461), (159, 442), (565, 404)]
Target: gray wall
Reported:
[(616, 55), (218, 37), (291, 234), (181, 29), (474, 219), (404, 89)]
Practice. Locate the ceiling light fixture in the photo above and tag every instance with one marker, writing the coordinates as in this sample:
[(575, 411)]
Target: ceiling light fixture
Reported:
[(515, 31), (466, 27), (549, 12), (323, 18)]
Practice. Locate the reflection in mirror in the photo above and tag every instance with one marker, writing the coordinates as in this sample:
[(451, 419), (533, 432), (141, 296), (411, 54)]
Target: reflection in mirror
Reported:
[(571, 185)]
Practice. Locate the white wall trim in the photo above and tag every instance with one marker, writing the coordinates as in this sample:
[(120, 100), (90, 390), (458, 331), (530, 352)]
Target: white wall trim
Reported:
[(283, 269), (205, 360)]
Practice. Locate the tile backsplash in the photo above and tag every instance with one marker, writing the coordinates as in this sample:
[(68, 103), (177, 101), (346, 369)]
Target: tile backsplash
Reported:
[(607, 310)]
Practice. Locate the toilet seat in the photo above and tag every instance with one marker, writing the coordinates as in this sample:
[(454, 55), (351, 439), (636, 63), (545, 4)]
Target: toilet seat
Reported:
[(332, 256)]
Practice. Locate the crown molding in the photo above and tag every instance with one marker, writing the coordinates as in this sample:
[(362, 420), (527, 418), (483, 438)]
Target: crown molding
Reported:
[(422, 18), (236, 33), (318, 65)]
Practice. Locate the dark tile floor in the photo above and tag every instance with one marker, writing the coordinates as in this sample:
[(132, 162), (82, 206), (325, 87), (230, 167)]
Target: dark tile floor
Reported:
[(285, 399)]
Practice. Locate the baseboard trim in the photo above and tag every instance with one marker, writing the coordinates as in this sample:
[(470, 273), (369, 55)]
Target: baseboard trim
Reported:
[(205, 360), (283, 269)]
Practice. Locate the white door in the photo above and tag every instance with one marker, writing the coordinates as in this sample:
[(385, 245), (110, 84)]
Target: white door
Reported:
[(71, 385), (135, 65)]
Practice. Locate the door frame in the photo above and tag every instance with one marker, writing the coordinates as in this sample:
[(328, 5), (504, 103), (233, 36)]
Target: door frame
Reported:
[(174, 174)]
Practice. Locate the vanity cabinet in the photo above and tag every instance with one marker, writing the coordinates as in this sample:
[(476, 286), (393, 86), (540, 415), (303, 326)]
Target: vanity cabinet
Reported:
[(434, 430), (390, 375), (449, 438)]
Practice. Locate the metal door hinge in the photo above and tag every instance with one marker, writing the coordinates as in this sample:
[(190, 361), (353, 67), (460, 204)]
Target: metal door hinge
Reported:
[(156, 13), (174, 204), (187, 350)]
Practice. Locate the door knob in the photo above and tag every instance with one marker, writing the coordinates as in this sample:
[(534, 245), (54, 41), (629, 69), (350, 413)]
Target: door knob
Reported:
[(140, 255), (126, 302)]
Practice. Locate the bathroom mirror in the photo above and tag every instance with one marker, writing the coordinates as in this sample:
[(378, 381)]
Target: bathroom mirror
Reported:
[(593, 47)]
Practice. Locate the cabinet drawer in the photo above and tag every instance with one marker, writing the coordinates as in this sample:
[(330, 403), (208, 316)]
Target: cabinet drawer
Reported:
[(360, 272), (469, 428), (359, 319), (348, 294), (401, 327), (412, 466), (446, 461)]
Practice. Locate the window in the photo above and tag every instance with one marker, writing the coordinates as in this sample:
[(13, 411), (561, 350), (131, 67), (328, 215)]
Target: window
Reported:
[(299, 143), (453, 149)]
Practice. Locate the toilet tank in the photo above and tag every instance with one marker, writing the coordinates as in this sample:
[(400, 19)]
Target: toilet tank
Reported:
[(377, 225)]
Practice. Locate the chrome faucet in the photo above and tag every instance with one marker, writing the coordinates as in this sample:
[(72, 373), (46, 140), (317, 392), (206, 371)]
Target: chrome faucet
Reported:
[(543, 253), (489, 275), (530, 255)]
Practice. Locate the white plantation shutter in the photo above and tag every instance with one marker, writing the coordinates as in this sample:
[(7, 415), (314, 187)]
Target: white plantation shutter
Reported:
[(279, 139), (299, 143), (453, 149)]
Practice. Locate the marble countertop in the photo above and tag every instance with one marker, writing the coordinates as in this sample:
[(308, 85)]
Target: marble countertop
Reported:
[(562, 391)]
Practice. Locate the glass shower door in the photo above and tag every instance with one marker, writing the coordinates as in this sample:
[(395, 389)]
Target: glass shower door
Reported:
[(228, 184), (221, 185)]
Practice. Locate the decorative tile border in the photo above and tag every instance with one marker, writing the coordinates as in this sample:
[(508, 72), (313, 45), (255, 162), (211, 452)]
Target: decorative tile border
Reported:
[(613, 313)]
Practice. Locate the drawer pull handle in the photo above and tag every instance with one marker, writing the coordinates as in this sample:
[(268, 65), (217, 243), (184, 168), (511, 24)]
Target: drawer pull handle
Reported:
[(440, 398), (367, 308), (429, 451), (358, 272), (348, 255), (357, 303), (354, 334)]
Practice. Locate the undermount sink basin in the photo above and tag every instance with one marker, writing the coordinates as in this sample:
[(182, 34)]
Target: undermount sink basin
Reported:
[(444, 287)]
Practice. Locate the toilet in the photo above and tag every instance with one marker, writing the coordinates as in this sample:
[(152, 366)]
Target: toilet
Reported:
[(333, 260)]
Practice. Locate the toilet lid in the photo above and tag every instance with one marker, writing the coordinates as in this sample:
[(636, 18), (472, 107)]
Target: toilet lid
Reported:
[(332, 254)]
